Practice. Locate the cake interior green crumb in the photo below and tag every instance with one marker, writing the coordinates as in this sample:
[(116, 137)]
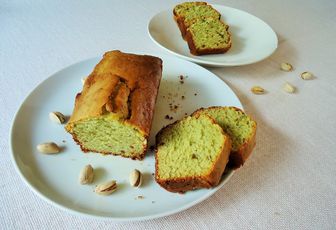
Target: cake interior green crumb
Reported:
[(235, 123), (191, 11), (108, 134), (189, 148), (209, 33)]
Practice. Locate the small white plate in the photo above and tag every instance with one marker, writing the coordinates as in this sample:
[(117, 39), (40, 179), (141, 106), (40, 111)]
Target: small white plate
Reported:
[(55, 177), (252, 39)]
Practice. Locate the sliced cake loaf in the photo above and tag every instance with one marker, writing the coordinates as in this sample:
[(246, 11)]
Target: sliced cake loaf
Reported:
[(186, 13), (240, 128), (113, 113), (208, 36), (191, 153)]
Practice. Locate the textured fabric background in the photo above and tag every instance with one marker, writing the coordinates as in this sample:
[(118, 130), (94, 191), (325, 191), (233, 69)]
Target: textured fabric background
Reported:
[(288, 183)]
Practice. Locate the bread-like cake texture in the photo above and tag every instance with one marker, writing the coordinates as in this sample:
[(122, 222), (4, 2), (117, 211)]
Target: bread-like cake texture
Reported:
[(186, 13), (208, 36), (113, 113), (240, 127), (191, 153)]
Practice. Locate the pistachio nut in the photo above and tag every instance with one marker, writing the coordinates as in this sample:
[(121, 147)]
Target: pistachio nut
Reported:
[(286, 67), (106, 188), (307, 75), (257, 90), (135, 178), (57, 117), (86, 175), (288, 88), (48, 148)]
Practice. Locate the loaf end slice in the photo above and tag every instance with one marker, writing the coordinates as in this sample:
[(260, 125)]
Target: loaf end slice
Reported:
[(191, 153)]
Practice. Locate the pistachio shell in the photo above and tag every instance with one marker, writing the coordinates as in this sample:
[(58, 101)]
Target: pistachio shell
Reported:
[(286, 67), (57, 117), (257, 90), (135, 178), (307, 76), (48, 148), (86, 175), (106, 188), (288, 88)]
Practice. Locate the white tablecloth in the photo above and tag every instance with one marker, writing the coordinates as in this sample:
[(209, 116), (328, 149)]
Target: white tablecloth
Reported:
[(288, 183)]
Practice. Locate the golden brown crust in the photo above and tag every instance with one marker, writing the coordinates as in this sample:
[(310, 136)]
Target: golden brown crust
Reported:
[(122, 83), (185, 184), (140, 73), (238, 158), (181, 25)]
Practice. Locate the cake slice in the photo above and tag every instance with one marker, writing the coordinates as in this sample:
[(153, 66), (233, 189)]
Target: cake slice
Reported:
[(240, 127), (186, 13), (191, 153), (208, 36), (113, 113)]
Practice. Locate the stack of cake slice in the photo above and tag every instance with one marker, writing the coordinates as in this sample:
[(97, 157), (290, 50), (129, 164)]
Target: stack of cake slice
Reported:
[(193, 152), (201, 27)]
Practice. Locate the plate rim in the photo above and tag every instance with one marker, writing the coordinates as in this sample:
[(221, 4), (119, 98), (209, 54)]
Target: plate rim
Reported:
[(51, 202), (213, 63)]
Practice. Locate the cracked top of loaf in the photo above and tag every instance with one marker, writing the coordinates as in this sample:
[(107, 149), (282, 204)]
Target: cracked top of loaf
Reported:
[(122, 84)]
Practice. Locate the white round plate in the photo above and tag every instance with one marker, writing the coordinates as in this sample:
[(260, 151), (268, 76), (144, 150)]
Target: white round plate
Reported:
[(55, 177), (252, 39)]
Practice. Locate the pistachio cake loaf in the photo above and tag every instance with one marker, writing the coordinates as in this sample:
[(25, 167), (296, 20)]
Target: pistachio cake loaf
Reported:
[(191, 153), (113, 113), (208, 36), (239, 127), (186, 13)]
